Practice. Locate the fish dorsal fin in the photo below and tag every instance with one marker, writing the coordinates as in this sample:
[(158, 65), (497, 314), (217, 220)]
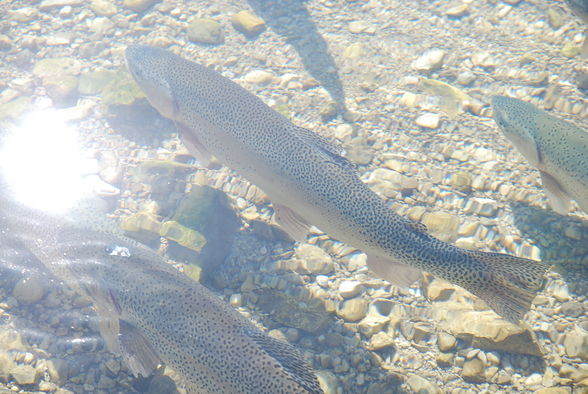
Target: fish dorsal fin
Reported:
[(137, 350), (335, 152), (559, 200), (289, 358)]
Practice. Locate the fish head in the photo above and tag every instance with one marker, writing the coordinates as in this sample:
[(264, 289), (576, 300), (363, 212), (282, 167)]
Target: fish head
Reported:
[(517, 119), (150, 68)]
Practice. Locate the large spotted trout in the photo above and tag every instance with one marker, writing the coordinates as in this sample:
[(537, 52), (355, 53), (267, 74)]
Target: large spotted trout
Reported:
[(149, 312), (309, 182)]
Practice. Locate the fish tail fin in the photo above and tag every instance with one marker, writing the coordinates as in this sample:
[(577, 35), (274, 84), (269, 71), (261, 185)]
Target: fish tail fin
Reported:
[(508, 284)]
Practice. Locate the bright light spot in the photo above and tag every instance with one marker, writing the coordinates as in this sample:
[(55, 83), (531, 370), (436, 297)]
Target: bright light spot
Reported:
[(42, 163)]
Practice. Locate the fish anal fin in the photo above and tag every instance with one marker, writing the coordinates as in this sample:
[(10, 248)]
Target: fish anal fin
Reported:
[(396, 273), (194, 145), (558, 198), (291, 222), (137, 351)]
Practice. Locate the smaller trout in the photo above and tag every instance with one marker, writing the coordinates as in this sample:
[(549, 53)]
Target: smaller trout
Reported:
[(150, 313)]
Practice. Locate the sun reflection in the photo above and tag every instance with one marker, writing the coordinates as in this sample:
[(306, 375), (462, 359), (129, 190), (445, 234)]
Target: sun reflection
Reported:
[(42, 163)]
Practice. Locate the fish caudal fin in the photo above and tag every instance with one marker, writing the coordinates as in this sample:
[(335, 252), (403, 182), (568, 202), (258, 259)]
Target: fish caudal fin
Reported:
[(508, 284)]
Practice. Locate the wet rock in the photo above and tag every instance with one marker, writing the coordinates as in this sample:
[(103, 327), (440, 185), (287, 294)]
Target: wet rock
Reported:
[(457, 11), (183, 235), (259, 77), (350, 288), (352, 310), (94, 81), (139, 5), (24, 374), (6, 365), (248, 23), (59, 76), (572, 308), (5, 42), (288, 310), (103, 7), (380, 341), (314, 260), (446, 342), (29, 290), (206, 31), (570, 50), (121, 90), (461, 181), (358, 151), (428, 120), (576, 343), (24, 14), (482, 206), (49, 4), (442, 225), (484, 330), (354, 51), (473, 370), (328, 381), (421, 385), (388, 183), (429, 61)]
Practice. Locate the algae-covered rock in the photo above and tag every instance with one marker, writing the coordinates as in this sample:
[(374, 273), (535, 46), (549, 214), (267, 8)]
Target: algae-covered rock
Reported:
[(144, 226), (94, 81), (205, 31), (59, 76), (183, 235), (248, 23), (290, 311), (570, 50), (555, 18), (147, 169), (121, 90), (14, 108)]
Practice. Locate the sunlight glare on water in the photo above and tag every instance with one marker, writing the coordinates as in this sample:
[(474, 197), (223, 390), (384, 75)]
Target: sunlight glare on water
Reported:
[(42, 162)]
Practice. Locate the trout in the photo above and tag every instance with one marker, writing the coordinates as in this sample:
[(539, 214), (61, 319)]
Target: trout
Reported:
[(310, 182)]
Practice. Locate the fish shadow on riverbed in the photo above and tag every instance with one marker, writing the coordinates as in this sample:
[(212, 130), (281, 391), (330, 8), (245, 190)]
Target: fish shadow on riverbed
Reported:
[(561, 239), (140, 123), (291, 19)]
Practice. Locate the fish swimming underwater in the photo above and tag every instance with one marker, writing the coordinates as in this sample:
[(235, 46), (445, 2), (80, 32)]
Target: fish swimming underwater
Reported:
[(558, 149), (309, 182), (150, 313)]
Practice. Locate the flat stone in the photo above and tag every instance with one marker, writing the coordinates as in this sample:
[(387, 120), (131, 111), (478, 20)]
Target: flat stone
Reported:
[(576, 343), (442, 225), (350, 288), (380, 341), (48, 4), (24, 374), (421, 385), (572, 308), (352, 310), (445, 341), (473, 370), (314, 260), (259, 77), (103, 7), (428, 120), (485, 330), (139, 5), (429, 61), (248, 23)]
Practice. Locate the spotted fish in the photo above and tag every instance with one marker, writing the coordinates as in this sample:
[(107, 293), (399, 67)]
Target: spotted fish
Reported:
[(310, 182), (558, 149), (152, 314)]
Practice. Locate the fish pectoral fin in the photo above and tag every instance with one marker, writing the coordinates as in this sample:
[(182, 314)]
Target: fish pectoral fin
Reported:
[(559, 200), (291, 222), (396, 273), (137, 351), (194, 145)]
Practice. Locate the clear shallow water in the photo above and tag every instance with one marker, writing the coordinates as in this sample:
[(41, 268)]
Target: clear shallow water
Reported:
[(462, 178)]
